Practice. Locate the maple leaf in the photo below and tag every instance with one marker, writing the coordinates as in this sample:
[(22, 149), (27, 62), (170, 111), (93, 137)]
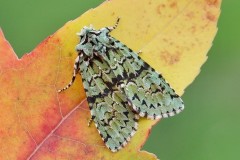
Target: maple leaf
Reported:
[(38, 123)]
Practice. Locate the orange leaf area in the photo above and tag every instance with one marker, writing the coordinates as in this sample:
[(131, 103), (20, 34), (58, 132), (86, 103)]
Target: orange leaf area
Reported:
[(39, 123)]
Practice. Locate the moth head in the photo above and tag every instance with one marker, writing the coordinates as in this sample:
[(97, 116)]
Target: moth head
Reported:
[(87, 35), (85, 30)]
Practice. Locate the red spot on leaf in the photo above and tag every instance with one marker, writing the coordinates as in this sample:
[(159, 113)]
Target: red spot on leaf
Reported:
[(160, 7), (211, 17), (173, 5), (170, 58), (216, 3)]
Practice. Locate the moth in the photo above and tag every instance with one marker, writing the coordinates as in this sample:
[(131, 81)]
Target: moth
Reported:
[(120, 86)]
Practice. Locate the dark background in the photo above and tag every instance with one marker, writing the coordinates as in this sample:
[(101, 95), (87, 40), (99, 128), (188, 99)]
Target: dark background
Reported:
[(209, 128)]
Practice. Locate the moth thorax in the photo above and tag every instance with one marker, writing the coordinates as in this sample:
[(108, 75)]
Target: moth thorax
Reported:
[(86, 49)]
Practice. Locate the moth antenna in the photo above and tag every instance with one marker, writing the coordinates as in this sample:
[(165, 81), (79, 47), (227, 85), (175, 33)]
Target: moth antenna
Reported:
[(115, 26)]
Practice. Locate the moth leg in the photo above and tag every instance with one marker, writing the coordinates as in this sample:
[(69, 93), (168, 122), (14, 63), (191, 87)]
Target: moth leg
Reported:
[(113, 27), (76, 68), (139, 52)]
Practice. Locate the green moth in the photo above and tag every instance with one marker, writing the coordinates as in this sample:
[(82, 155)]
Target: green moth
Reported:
[(120, 86)]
